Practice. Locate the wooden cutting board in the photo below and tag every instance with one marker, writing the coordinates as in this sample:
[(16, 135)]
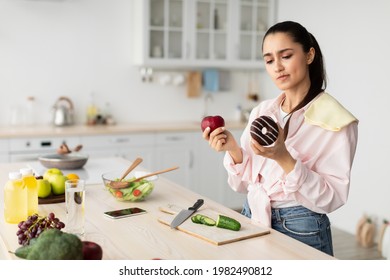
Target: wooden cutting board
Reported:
[(194, 84), (212, 234)]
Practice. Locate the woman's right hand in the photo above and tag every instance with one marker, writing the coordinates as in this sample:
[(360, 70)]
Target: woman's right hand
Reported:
[(217, 139), (222, 140)]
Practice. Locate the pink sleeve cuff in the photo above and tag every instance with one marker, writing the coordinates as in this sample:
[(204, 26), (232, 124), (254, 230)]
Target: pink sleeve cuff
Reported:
[(232, 167)]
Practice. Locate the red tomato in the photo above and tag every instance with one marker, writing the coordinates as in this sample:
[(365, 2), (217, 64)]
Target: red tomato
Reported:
[(118, 194), (136, 192)]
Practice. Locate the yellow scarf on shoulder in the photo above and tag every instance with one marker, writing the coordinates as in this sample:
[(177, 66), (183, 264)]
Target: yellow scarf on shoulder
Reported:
[(328, 113)]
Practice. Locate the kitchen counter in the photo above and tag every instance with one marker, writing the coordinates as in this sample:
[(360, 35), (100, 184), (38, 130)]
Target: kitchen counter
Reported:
[(48, 130), (143, 237)]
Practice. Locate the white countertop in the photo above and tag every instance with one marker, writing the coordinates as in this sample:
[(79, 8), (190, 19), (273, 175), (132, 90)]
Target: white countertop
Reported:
[(80, 129)]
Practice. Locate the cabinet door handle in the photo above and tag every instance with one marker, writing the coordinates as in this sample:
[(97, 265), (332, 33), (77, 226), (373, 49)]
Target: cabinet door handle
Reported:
[(174, 138), (120, 140), (44, 144)]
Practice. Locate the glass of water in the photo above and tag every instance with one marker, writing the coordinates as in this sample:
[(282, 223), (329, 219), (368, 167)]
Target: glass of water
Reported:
[(75, 206)]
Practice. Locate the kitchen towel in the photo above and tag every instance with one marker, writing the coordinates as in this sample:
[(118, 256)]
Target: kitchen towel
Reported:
[(211, 80), (215, 80), (328, 113)]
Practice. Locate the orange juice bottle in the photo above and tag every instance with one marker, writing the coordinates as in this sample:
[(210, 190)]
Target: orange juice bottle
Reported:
[(32, 190), (15, 199)]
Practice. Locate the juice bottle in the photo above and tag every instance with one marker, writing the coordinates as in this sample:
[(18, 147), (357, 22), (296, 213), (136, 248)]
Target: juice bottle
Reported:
[(92, 111), (32, 190), (15, 199)]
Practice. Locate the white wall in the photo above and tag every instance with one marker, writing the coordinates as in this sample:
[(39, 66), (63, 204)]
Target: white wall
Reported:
[(50, 48), (355, 40)]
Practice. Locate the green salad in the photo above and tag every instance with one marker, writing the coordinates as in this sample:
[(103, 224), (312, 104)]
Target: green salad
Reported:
[(136, 191)]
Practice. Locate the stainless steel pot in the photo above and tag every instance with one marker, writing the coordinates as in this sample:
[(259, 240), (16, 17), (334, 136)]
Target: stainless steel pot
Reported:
[(63, 112)]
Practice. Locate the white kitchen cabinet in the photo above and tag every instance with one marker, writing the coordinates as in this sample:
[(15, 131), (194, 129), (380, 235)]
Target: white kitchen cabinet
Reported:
[(252, 19), (146, 152), (178, 149), (200, 33), (232, 199), (28, 149), (159, 150), (159, 30), (4, 150), (213, 176), (211, 32), (129, 146)]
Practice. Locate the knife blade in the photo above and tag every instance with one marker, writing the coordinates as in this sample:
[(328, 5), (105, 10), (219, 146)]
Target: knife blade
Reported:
[(185, 214)]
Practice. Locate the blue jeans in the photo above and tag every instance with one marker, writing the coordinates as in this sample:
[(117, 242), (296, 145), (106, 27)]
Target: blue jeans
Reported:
[(302, 224)]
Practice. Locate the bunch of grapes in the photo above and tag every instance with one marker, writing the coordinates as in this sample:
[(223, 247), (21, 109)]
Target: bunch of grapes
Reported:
[(35, 225)]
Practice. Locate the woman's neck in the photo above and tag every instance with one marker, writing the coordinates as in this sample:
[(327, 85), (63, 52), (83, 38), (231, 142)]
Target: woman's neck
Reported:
[(293, 98)]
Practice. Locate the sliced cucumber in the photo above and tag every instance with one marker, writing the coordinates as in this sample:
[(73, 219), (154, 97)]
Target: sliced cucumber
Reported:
[(228, 223), (195, 219), (207, 221), (222, 222), (202, 219)]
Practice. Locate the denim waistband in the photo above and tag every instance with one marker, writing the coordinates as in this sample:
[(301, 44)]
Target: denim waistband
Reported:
[(289, 212)]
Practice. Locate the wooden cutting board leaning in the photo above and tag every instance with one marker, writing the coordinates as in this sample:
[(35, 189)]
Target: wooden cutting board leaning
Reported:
[(194, 84), (212, 234)]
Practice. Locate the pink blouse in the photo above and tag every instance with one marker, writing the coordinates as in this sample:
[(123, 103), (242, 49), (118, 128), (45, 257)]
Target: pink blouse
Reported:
[(321, 177)]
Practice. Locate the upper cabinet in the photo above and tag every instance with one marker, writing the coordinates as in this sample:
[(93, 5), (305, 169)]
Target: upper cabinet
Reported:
[(200, 33), (210, 32), (254, 18), (160, 36)]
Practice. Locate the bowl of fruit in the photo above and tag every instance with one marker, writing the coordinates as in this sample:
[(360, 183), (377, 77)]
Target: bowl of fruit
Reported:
[(130, 188)]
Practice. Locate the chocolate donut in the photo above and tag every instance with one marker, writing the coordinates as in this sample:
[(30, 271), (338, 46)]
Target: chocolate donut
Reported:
[(264, 130)]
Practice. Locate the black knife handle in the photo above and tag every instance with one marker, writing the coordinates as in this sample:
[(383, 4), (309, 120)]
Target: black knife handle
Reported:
[(197, 205)]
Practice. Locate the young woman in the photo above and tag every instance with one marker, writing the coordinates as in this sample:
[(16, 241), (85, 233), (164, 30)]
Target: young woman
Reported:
[(292, 184)]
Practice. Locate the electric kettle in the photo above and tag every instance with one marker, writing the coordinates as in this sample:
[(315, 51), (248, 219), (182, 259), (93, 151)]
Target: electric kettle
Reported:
[(63, 112)]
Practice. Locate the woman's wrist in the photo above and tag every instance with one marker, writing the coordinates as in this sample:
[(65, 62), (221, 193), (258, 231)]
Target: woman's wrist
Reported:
[(287, 163), (236, 155)]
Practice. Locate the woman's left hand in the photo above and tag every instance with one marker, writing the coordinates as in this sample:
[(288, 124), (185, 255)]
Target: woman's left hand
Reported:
[(277, 152)]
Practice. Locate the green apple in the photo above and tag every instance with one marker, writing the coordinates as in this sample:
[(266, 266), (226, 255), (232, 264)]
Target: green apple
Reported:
[(44, 188), (56, 179), (50, 172), (58, 184)]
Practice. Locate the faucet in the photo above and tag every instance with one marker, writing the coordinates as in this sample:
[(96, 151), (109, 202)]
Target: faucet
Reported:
[(208, 97)]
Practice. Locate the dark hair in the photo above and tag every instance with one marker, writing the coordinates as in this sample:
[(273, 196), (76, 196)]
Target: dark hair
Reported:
[(317, 72)]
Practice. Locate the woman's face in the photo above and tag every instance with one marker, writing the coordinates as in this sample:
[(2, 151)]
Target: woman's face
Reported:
[(286, 62)]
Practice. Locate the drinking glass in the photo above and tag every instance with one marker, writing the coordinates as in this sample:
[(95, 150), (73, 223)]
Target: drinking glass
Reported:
[(75, 206)]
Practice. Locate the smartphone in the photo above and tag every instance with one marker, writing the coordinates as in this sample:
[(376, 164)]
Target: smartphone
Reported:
[(122, 213)]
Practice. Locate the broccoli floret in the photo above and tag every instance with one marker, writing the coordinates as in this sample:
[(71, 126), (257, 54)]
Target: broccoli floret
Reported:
[(53, 244)]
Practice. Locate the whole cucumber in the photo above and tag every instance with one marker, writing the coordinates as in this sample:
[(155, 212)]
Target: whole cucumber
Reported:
[(228, 223)]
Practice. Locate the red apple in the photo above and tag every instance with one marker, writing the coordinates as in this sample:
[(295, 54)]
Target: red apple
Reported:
[(92, 251), (213, 122)]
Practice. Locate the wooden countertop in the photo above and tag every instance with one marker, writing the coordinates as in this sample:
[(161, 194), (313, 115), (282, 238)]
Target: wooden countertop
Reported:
[(48, 130), (143, 237)]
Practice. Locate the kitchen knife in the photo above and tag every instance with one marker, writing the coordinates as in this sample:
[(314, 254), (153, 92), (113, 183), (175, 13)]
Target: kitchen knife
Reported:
[(184, 214)]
